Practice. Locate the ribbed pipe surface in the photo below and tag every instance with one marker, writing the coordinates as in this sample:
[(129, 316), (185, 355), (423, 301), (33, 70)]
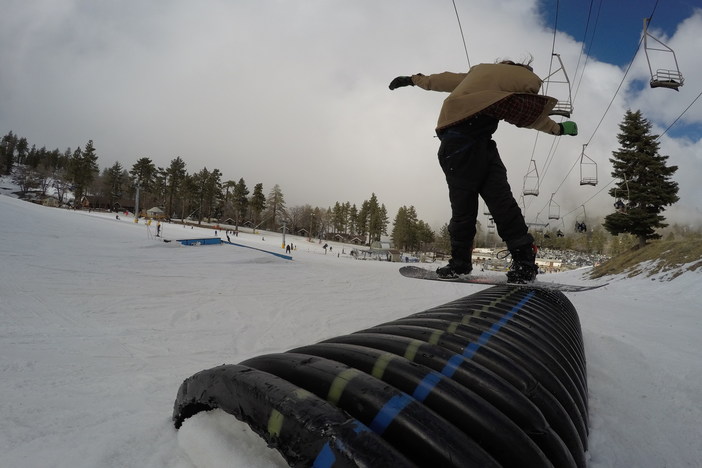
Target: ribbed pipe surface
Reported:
[(493, 379)]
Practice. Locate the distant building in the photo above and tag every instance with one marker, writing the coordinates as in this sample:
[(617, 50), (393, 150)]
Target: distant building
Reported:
[(383, 251), (156, 213)]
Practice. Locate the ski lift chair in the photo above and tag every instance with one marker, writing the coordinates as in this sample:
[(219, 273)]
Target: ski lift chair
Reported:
[(620, 206), (588, 169), (563, 107), (537, 226), (662, 78), (580, 222), (531, 180), (554, 209)]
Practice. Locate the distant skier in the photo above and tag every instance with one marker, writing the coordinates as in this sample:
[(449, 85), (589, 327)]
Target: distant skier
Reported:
[(468, 156)]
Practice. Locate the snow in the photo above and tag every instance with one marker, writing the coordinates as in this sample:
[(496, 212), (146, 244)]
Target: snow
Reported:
[(100, 322)]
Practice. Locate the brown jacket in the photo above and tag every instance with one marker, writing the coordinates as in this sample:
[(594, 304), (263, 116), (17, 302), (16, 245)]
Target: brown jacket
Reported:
[(483, 86)]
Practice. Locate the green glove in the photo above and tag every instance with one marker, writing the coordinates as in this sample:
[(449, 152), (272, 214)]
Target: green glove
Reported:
[(401, 81), (568, 128)]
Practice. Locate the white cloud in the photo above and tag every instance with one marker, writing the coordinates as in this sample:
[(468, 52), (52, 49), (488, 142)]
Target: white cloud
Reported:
[(295, 93)]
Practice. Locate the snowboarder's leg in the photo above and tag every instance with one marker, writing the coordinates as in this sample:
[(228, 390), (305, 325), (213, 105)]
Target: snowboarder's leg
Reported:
[(462, 158), (509, 220)]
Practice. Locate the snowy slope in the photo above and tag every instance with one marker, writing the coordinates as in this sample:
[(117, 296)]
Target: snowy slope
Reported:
[(100, 323)]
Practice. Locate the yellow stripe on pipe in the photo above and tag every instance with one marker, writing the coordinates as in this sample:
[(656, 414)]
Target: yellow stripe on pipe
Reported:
[(412, 348), (275, 423), (380, 364), (339, 384)]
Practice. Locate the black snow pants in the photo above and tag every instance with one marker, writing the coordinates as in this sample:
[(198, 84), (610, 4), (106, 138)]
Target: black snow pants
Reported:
[(472, 166)]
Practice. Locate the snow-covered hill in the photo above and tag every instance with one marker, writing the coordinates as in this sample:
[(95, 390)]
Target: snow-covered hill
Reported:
[(100, 322)]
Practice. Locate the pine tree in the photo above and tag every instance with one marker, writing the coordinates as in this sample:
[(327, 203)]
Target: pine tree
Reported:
[(240, 200), (644, 186), (7, 153), (175, 177), (276, 206), (114, 179), (257, 203), (83, 168), (405, 233)]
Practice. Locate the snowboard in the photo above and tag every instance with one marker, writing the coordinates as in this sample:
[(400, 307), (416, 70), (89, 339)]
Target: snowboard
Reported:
[(422, 273)]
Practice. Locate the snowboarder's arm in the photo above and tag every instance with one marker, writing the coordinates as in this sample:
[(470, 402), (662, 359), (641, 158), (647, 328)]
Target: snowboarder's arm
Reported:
[(547, 125), (446, 81)]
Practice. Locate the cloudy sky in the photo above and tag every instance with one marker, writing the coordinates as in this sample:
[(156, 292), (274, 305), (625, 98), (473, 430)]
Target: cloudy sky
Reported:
[(295, 93)]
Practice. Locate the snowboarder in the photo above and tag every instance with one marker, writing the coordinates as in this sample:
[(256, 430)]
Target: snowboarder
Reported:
[(468, 156)]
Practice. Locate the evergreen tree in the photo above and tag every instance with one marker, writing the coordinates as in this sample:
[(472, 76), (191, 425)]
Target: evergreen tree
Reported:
[(257, 203), (7, 153), (644, 186), (362, 219), (213, 194), (276, 206), (144, 172), (208, 190), (425, 234), (338, 218), (377, 221), (115, 179), (353, 217), (409, 232), (240, 200), (22, 150), (443, 242), (82, 170), (404, 231), (174, 180), (228, 209)]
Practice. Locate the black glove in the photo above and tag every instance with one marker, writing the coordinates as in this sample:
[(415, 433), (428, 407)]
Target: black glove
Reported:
[(401, 81)]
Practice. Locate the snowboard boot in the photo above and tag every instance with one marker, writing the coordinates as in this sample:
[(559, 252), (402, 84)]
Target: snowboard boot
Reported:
[(523, 268), (454, 269)]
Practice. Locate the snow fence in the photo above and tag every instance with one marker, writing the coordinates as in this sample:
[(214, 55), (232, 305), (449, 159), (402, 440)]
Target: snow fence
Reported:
[(493, 379)]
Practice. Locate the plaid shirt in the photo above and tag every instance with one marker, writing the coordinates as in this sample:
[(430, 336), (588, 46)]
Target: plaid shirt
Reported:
[(518, 109)]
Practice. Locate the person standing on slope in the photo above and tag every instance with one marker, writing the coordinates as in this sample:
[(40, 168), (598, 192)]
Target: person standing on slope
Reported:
[(478, 100)]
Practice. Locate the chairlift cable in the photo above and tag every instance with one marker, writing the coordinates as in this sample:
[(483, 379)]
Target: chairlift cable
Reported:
[(463, 37), (678, 118), (553, 43), (589, 48), (550, 68)]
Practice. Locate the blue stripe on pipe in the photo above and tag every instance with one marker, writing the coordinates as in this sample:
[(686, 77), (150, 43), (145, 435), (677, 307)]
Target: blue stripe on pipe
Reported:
[(325, 458), (426, 386), (389, 411), (452, 364), (484, 337)]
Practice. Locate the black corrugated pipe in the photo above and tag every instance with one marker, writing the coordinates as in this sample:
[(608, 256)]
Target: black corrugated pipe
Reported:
[(493, 379)]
